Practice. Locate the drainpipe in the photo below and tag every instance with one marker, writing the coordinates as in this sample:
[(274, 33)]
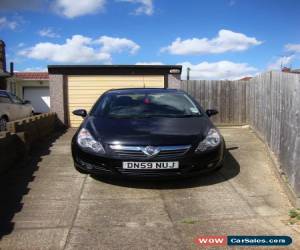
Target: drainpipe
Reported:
[(188, 73), (11, 68)]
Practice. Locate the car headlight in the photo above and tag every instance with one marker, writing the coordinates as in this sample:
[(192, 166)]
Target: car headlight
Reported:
[(212, 140), (87, 142)]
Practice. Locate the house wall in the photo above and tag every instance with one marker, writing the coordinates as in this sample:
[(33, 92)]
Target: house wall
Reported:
[(174, 81), (16, 85), (58, 96)]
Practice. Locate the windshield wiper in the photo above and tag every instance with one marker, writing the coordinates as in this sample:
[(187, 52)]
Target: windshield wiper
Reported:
[(175, 116), (129, 117), (192, 115), (153, 116)]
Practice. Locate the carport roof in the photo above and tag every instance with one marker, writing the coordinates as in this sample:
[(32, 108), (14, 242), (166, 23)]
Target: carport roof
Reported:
[(114, 69), (4, 74)]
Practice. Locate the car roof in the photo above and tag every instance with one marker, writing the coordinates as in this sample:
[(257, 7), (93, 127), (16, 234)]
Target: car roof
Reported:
[(3, 92), (143, 91)]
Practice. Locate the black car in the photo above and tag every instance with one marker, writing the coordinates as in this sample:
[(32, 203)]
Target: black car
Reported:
[(149, 133)]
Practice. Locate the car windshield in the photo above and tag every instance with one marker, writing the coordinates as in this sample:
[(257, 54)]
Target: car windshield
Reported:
[(146, 105)]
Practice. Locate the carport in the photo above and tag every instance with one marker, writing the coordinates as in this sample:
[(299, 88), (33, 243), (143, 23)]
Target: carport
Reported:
[(79, 86)]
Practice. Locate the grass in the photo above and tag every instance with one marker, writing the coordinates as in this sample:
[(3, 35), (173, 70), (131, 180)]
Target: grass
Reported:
[(294, 216), (189, 221)]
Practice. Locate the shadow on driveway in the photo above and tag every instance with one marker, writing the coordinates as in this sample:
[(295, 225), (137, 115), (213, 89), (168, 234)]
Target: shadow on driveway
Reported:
[(14, 183), (230, 169)]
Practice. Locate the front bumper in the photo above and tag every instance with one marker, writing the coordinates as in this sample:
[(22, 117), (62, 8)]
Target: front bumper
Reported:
[(189, 165)]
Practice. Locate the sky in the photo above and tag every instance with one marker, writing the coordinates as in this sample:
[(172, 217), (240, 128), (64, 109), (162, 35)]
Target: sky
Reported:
[(216, 39)]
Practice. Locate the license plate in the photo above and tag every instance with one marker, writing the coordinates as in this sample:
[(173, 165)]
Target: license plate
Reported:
[(151, 165)]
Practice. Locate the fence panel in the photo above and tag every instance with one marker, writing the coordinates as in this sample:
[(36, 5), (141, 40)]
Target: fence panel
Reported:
[(270, 103), (228, 97)]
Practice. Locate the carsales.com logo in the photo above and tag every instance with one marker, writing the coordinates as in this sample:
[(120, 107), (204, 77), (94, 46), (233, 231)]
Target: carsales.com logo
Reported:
[(206, 241), (243, 240)]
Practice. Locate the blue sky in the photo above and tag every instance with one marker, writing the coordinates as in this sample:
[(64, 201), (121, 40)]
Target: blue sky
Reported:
[(217, 39)]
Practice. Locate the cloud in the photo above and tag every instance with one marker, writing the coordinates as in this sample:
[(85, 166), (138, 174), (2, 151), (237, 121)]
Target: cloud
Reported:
[(149, 63), (80, 49), (283, 61), (7, 24), (21, 5), (291, 54), (71, 8), (225, 41), (218, 70), (35, 69), (76, 49), (117, 45), (145, 6), (48, 32), (294, 48)]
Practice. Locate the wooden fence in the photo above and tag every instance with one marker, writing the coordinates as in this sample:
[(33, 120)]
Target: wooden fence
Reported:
[(228, 97), (273, 110), (269, 103)]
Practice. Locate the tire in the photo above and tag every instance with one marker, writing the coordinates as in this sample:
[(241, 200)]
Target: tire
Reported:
[(3, 122)]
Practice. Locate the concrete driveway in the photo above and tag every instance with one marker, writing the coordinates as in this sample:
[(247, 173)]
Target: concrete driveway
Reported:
[(48, 205)]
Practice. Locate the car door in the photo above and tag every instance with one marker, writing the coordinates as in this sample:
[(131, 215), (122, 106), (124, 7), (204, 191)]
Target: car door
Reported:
[(5, 106), (17, 107), (25, 107)]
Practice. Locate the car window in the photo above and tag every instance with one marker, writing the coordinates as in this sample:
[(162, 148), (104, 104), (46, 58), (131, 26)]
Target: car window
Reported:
[(4, 98), (16, 99), (147, 105)]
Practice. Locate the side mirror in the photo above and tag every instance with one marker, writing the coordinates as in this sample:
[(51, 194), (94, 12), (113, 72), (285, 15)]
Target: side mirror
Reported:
[(80, 112), (26, 102), (211, 112)]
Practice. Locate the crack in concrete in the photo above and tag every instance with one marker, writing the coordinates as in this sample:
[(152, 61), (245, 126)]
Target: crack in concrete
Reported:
[(76, 212)]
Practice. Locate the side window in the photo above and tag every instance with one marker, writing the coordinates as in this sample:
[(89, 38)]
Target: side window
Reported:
[(16, 99), (4, 99)]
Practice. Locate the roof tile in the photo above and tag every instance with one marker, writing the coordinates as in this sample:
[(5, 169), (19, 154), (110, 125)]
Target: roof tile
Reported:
[(32, 75)]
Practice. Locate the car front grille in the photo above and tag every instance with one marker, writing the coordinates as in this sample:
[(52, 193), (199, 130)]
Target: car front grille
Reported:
[(138, 152)]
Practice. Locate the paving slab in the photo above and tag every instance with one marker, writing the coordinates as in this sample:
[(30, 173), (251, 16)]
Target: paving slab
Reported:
[(45, 213), (97, 190), (55, 188), (41, 239), (107, 213), (47, 204), (57, 161), (129, 237)]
